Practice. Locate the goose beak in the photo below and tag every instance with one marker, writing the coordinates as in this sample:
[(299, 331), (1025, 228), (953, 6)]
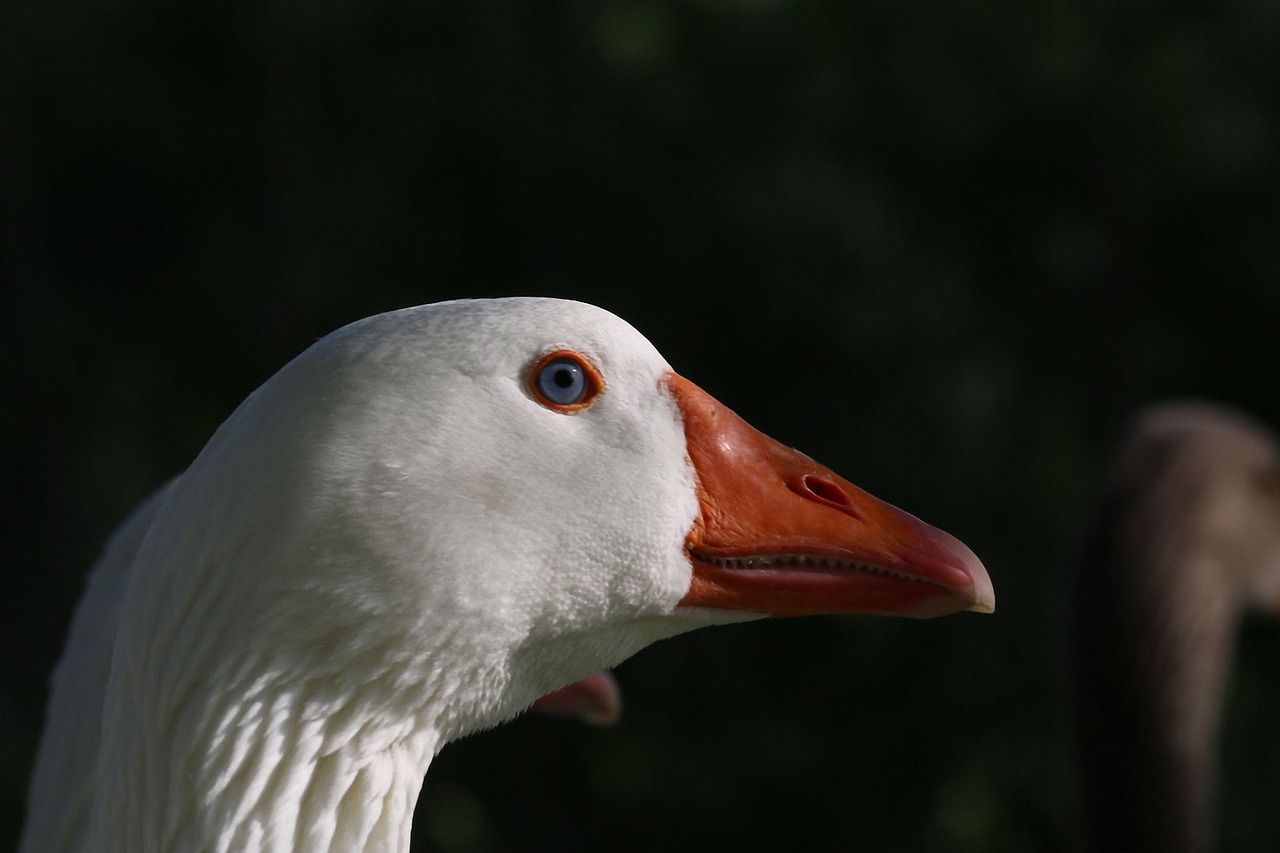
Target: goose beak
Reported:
[(782, 535), (595, 699)]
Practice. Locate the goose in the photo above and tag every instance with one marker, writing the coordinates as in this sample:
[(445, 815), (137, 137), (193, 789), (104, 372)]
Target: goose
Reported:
[(419, 526), (1186, 538)]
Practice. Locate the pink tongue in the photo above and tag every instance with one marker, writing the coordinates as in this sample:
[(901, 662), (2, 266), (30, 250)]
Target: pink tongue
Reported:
[(595, 699)]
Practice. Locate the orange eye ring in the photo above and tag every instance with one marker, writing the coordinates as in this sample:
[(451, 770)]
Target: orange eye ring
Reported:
[(565, 381)]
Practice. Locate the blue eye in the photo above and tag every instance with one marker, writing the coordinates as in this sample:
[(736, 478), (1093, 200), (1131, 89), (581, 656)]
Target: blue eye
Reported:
[(564, 382)]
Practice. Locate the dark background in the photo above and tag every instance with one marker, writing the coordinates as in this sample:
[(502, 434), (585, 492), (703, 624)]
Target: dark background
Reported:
[(947, 247)]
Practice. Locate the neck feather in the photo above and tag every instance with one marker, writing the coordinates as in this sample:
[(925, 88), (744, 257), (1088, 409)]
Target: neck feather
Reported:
[(278, 763), (1155, 623)]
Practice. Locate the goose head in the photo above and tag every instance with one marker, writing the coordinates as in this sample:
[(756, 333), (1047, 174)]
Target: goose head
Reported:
[(423, 523)]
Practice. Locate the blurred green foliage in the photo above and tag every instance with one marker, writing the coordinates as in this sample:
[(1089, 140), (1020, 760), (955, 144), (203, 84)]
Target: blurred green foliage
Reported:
[(946, 247)]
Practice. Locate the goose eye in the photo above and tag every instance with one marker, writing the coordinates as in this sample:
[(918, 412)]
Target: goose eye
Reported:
[(565, 381), (562, 381)]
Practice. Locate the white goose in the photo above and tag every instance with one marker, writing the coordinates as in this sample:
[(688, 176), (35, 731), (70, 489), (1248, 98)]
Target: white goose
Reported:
[(416, 528)]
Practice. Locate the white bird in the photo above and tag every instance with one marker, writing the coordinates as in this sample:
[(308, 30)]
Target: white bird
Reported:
[(1185, 540), (420, 525)]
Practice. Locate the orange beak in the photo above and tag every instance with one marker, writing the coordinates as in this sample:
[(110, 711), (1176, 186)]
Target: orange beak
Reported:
[(595, 699), (782, 535)]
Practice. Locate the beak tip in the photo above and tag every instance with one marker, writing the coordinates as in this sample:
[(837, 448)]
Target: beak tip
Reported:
[(984, 593)]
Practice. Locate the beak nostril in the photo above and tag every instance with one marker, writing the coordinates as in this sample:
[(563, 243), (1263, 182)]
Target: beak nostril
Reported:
[(826, 492)]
